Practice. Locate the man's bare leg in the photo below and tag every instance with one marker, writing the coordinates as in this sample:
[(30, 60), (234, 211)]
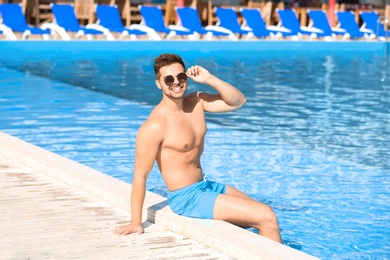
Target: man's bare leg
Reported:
[(239, 209)]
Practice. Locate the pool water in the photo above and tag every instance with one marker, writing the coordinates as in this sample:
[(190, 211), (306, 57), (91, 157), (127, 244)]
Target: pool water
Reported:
[(312, 141)]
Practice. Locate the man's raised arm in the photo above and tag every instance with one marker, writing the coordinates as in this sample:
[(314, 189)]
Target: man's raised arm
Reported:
[(228, 98)]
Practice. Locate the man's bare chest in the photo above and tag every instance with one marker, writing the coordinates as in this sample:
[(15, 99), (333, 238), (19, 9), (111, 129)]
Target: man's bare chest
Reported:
[(184, 133)]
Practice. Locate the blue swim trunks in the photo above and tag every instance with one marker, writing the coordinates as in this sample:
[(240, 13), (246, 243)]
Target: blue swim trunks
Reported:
[(196, 200)]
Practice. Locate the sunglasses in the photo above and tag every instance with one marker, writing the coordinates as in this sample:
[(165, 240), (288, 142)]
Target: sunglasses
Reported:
[(181, 77)]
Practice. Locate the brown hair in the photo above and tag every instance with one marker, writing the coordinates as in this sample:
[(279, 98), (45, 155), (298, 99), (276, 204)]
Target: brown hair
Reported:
[(164, 60)]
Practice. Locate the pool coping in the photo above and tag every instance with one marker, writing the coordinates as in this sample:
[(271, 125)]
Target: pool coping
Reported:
[(226, 238)]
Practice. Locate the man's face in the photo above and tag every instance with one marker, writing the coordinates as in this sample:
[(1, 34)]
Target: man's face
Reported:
[(173, 80)]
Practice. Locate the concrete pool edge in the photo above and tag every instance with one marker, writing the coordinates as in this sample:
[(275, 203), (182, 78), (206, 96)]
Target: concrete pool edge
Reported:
[(221, 236)]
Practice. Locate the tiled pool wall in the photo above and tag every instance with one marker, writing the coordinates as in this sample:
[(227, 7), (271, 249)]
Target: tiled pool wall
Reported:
[(39, 48)]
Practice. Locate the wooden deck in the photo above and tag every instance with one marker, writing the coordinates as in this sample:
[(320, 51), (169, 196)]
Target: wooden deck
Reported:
[(43, 218)]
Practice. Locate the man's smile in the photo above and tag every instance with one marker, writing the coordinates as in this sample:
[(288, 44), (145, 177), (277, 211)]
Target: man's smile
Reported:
[(176, 88)]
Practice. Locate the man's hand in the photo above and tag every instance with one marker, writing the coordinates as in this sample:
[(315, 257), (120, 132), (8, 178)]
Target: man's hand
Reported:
[(199, 74), (129, 229)]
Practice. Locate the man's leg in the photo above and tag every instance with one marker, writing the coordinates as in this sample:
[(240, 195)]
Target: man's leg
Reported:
[(235, 192), (239, 209)]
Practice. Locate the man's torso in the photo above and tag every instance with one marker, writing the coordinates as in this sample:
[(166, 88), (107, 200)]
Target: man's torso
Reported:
[(182, 146)]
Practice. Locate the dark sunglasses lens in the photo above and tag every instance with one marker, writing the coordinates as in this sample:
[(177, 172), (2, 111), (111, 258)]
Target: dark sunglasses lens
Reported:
[(182, 77), (169, 80)]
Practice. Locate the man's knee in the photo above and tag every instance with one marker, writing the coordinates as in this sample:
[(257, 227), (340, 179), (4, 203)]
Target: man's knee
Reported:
[(268, 217)]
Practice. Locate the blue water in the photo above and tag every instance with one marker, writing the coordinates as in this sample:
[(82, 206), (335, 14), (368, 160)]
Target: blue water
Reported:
[(312, 140)]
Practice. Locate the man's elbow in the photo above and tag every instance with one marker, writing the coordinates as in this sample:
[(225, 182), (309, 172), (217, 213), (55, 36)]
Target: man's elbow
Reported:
[(242, 101)]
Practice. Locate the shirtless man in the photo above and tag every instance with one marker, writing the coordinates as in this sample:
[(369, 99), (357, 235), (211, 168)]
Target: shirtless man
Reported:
[(173, 136)]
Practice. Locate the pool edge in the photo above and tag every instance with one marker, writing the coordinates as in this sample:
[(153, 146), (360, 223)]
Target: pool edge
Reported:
[(221, 236)]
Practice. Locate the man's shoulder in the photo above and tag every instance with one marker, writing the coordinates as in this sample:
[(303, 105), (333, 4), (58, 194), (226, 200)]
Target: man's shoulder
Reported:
[(153, 126), (155, 119)]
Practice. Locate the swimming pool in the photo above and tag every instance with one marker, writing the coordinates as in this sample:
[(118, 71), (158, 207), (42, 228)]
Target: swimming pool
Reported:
[(312, 140)]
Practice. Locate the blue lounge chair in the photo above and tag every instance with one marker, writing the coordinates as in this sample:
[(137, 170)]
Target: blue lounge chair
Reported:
[(288, 19), (65, 21), (109, 20), (8, 33), (371, 21), (14, 19), (153, 18), (228, 19), (254, 21), (320, 21), (189, 18), (348, 23)]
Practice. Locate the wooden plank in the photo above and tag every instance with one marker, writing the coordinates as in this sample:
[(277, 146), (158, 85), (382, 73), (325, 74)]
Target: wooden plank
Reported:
[(43, 218)]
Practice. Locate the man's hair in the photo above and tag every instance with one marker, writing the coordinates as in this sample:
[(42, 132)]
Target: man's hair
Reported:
[(164, 60)]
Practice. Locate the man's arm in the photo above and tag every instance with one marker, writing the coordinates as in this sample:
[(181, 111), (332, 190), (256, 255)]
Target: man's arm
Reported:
[(228, 98), (148, 142)]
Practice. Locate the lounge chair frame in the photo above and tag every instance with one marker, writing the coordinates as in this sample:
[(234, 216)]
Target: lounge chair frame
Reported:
[(63, 32)]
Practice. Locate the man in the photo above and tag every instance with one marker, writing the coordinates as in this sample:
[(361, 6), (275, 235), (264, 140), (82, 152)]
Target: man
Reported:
[(173, 136)]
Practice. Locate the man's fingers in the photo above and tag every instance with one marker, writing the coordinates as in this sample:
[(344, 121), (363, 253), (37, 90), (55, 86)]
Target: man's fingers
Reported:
[(129, 229), (193, 70), (118, 232), (121, 231), (126, 231)]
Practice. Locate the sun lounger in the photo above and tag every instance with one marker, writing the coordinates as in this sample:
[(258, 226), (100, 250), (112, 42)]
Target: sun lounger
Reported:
[(372, 22), (14, 19), (348, 23), (65, 21), (153, 18), (228, 19), (7, 32), (289, 20), (254, 21), (189, 18), (109, 21), (320, 21)]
